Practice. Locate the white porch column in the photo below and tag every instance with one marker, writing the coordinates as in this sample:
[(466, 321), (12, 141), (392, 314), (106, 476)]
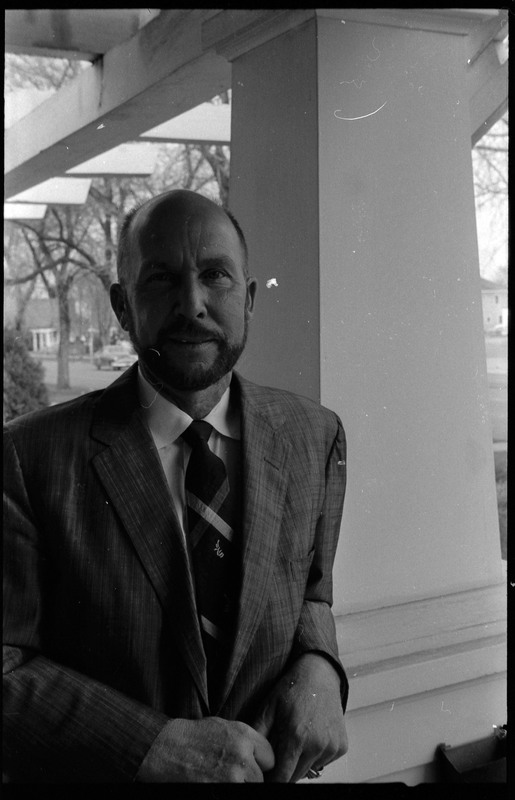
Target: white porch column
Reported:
[(402, 346), (351, 175)]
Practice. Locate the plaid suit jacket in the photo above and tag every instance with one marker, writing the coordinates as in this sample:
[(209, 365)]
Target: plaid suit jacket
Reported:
[(102, 641)]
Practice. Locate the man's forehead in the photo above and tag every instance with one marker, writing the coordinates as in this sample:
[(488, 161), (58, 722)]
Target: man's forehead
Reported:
[(193, 216)]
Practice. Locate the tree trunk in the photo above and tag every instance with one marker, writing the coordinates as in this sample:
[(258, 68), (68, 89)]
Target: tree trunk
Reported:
[(63, 353), (22, 301), (103, 314), (219, 163)]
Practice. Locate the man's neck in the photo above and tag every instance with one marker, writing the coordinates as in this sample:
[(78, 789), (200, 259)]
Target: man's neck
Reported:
[(198, 403)]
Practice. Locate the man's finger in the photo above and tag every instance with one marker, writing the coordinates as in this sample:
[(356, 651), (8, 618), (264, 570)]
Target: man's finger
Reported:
[(302, 768), (286, 760), (263, 723), (263, 752), (252, 773)]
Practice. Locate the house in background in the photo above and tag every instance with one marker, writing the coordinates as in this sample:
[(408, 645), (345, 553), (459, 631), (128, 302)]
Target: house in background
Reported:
[(41, 320), (494, 299)]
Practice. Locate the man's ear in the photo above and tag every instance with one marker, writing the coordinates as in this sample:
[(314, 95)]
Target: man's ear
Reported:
[(251, 295), (118, 305)]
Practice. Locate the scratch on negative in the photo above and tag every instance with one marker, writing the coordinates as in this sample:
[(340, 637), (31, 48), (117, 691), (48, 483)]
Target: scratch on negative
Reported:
[(376, 49), (351, 119), (355, 83)]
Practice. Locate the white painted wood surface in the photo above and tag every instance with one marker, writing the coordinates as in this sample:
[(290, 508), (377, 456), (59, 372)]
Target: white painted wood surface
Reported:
[(134, 159), (63, 191), (26, 211), (206, 124), (159, 73)]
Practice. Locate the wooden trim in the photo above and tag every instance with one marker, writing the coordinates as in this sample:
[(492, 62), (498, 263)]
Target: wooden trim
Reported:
[(398, 740), (57, 191), (418, 647), (493, 31), (207, 123), (428, 671), (488, 84), (66, 32), (159, 73), (459, 21), (234, 32)]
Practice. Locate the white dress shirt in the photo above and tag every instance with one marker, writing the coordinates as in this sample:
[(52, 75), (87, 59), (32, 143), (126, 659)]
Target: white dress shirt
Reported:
[(167, 422)]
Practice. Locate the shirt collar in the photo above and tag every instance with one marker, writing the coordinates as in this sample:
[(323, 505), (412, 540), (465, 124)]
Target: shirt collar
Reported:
[(167, 421)]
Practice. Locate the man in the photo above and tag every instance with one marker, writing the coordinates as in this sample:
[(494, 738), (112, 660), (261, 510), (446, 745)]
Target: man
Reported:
[(124, 661)]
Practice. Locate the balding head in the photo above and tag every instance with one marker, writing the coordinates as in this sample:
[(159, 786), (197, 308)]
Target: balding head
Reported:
[(177, 204), (184, 296)]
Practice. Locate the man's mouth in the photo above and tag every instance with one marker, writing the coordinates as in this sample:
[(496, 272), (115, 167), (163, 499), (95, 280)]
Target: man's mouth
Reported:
[(191, 342)]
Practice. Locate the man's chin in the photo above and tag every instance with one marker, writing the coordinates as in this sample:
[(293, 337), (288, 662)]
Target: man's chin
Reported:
[(161, 365), (193, 378), (194, 381)]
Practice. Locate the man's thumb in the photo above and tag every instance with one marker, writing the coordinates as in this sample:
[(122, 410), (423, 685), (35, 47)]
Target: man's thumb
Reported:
[(263, 722)]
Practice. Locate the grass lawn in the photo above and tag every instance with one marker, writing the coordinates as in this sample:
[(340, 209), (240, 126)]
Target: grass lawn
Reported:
[(501, 478), (84, 377)]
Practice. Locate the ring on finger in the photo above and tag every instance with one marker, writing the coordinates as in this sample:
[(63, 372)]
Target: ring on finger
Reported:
[(314, 773)]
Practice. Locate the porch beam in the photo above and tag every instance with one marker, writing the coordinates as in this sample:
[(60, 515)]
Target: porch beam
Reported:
[(70, 33), (207, 123), (488, 87), (56, 191), (159, 73)]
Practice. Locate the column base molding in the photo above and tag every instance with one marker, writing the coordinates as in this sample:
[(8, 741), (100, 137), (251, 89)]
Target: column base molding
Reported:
[(462, 636), (421, 674)]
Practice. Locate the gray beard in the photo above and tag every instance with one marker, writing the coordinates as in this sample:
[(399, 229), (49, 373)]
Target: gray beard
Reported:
[(162, 370)]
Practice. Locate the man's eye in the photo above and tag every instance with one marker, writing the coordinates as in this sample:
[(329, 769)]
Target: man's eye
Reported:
[(214, 274), (158, 277)]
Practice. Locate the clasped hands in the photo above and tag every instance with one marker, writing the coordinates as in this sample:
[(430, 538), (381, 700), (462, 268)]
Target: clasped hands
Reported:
[(300, 727)]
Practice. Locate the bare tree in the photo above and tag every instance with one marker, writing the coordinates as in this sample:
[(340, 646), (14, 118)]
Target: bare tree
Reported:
[(72, 244), (490, 163), (39, 72), (61, 246), (16, 256)]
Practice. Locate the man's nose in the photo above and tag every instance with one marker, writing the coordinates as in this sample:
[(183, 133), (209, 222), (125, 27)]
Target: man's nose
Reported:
[(191, 300)]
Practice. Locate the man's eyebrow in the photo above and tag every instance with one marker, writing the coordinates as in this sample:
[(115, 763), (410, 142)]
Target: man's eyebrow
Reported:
[(216, 261), (209, 262)]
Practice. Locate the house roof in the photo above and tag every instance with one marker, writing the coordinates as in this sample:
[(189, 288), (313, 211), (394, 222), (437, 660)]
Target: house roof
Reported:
[(41, 313), (491, 285)]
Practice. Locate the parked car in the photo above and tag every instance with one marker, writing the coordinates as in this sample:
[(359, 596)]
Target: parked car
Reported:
[(125, 361), (500, 330), (112, 353)]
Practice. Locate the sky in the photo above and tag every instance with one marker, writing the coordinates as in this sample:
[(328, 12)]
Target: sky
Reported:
[(492, 235)]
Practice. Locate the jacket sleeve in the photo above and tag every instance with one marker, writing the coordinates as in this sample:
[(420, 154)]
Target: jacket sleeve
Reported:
[(59, 725), (316, 631)]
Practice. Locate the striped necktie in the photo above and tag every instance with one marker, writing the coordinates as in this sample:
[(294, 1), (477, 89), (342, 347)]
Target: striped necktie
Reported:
[(214, 551)]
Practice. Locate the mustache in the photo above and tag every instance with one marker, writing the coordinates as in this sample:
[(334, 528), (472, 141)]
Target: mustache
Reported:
[(189, 329)]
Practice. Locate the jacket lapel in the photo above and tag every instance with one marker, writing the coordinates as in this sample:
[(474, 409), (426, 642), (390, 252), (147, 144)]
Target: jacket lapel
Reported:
[(131, 473), (265, 476)]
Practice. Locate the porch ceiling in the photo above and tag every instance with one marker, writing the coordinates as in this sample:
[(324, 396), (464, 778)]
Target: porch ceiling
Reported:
[(72, 33), (150, 66)]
